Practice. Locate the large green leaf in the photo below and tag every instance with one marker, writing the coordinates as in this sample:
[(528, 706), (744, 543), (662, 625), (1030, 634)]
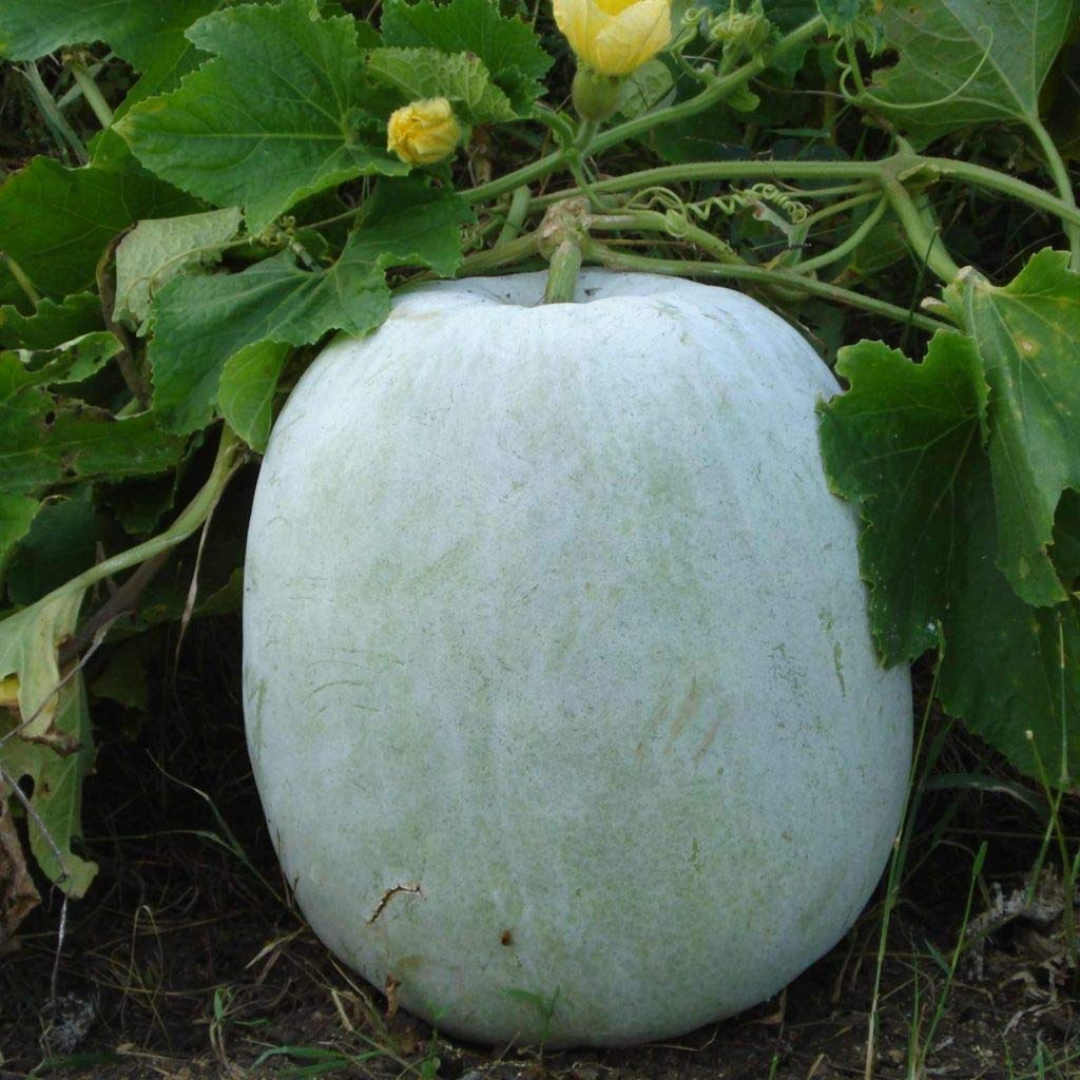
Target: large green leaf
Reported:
[(507, 47), (906, 443), (61, 543), (965, 62), (278, 114), (201, 322), (459, 77), (56, 222), (1009, 668), (136, 30), (1028, 335), (901, 442)]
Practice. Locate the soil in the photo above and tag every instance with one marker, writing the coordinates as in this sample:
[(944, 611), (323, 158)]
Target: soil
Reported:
[(184, 962)]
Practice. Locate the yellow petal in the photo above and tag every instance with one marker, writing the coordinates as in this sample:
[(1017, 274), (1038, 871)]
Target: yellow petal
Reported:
[(615, 36), (423, 132), (633, 37)]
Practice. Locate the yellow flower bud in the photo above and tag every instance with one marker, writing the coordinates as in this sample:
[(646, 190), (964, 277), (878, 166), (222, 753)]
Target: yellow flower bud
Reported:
[(423, 132), (9, 692), (615, 36)]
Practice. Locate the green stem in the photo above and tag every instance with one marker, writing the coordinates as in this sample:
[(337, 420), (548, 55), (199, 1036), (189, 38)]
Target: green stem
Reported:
[(62, 131), (897, 165), (653, 221), (485, 262), (515, 216), (839, 207), (563, 273), (716, 92), (925, 245), (91, 92), (618, 260), (1064, 183), (189, 519), (849, 245), (19, 274), (729, 170), (993, 180), (584, 138), (713, 94)]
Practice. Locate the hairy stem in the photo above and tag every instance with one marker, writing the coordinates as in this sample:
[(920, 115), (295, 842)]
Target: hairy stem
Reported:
[(849, 245), (1061, 177), (91, 92), (229, 456), (925, 245), (515, 217), (595, 252)]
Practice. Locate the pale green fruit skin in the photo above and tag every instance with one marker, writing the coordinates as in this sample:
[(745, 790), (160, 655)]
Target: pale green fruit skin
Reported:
[(550, 614)]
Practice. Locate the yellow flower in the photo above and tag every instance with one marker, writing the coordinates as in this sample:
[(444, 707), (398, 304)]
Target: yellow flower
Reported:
[(9, 692), (423, 132), (615, 36)]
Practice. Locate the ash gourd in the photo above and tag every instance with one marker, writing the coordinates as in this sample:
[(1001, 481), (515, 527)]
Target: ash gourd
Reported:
[(559, 682)]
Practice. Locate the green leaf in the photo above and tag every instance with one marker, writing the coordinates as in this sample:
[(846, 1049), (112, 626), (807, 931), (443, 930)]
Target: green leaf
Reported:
[(156, 251), (29, 641), (201, 322), (901, 442), (17, 514), (56, 222), (137, 30), (645, 89), (1028, 334), (507, 47), (123, 678), (61, 543), (246, 390), (57, 796), (460, 78), (906, 443), (278, 114), (964, 62), (51, 323), (1010, 668), (45, 440)]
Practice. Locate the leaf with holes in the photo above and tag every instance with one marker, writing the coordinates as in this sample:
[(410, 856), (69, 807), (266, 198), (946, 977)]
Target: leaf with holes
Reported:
[(57, 776), (46, 439)]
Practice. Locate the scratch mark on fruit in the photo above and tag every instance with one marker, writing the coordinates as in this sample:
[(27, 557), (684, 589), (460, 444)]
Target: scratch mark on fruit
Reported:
[(838, 655), (686, 711), (413, 889), (710, 735)]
